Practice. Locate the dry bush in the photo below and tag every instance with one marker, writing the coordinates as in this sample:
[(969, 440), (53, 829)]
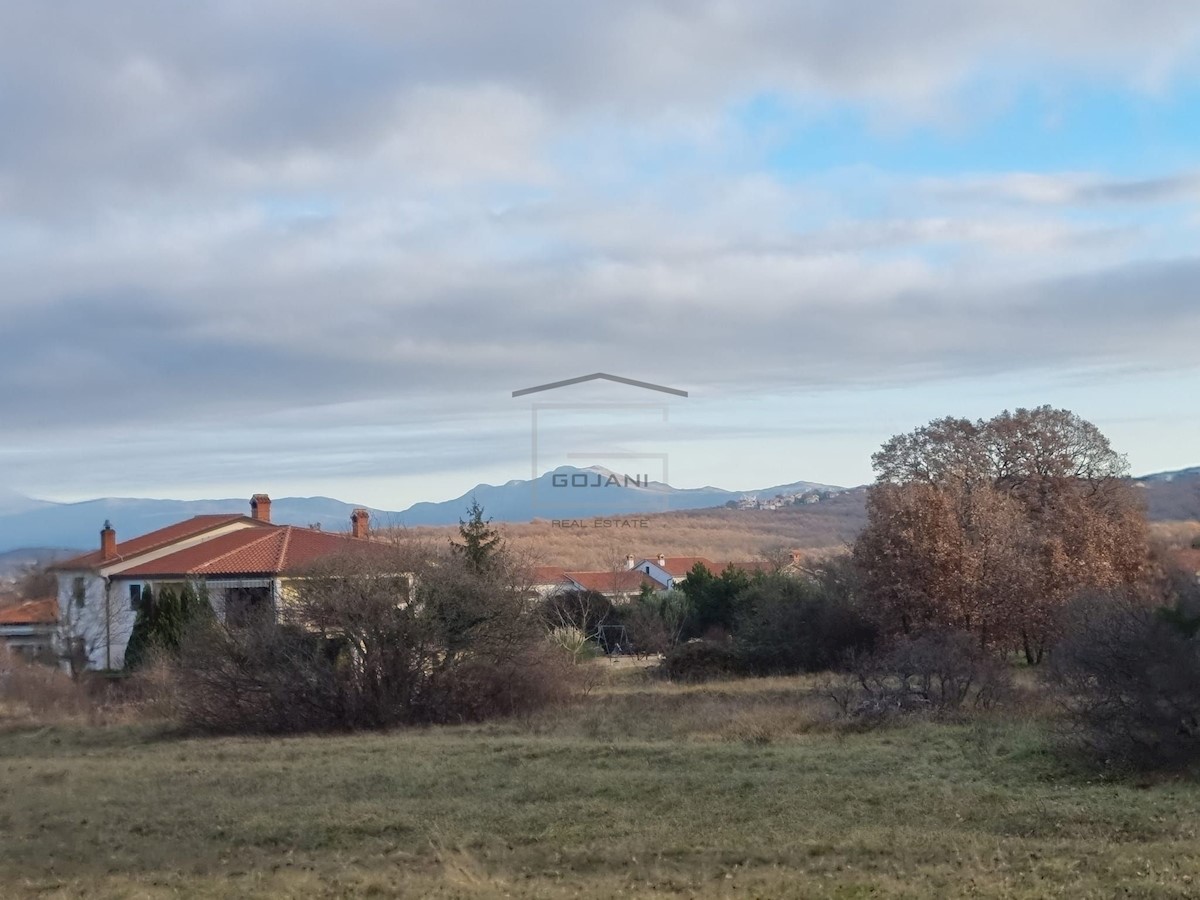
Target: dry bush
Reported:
[(940, 672), (415, 637), (1128, 677), (33, 692), (699, 660)]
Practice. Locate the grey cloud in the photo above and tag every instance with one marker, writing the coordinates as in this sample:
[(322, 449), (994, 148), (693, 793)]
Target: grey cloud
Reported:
[(105, 101), (1069, 189)]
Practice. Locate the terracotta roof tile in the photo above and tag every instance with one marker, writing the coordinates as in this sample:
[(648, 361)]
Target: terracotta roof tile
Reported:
[(31, 612), (548, 574), (156, 540), (271, 550), (1188, 559)]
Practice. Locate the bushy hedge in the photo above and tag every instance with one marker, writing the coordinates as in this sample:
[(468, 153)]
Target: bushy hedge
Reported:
[(788, 625), (1128, 676)]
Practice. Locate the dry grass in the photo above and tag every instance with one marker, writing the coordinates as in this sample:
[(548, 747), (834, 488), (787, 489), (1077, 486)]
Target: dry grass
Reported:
[(646, 789), (32, 694), (1175, 534)]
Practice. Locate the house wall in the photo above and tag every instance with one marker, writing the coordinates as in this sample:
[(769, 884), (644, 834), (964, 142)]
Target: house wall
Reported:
[(659, 574), (31, 641), (104, 620)]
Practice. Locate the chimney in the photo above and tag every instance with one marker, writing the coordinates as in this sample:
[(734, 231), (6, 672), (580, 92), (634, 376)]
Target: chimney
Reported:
[(260, 507), (630, 562), (662, 560), (108, 541), (360, 520)]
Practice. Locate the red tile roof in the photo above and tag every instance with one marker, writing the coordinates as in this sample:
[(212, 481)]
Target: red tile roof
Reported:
[(548, 574), (1188, 560), (156, 540), (269, 550), (31, 612), (678, 566), (625, 581)]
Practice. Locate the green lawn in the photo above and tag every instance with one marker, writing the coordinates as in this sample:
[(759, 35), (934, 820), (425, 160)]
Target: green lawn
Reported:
[(643, 790)]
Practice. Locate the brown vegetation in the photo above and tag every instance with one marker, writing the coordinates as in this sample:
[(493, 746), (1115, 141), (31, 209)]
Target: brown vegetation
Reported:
[(994, 527), (718, 534)]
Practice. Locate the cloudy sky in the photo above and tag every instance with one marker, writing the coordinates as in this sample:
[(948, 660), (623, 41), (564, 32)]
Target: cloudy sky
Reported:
[(313, 248)]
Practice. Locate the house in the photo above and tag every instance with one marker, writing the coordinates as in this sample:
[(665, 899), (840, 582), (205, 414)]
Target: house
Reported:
[(240, 562), (29, 628), (547, 580), (616, 585), (670, 571)]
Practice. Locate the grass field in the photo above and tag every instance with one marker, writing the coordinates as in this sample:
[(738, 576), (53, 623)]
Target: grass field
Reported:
[(739, 789)]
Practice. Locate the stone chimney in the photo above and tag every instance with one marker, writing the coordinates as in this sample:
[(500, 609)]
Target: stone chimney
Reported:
[(662, 561), (630, 562), (108, 541), (360, 521), (260, 507)]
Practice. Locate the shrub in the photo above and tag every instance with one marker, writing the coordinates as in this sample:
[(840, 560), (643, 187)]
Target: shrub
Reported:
[(586, 611), (791, 625), (654, 622), (162, 623), (1128, 677), (939, 672), (374, 643), (699, 660), (576, 645)]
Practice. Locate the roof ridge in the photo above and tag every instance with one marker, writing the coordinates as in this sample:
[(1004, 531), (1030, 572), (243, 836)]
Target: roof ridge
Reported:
[(287, 539)]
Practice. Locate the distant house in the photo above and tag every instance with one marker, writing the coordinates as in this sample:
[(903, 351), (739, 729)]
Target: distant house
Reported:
[(671, 571), (1187, 561), (547, 580), (240, 561), (29, 628), (617, 585)]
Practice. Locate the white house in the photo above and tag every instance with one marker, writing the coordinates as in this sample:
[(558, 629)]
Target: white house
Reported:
[(238, 559), (671, 571)]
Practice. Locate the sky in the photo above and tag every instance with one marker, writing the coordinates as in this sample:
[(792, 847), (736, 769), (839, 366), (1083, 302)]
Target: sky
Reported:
[(313, 248)]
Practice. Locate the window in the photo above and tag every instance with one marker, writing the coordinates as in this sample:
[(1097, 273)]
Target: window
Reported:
[(79, 591), (248, 606), (135, 596)]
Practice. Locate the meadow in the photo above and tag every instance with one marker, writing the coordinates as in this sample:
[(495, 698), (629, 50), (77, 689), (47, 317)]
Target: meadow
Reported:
[(642, 788)]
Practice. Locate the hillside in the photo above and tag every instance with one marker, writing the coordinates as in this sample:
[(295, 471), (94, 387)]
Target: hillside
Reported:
[(719, 534)]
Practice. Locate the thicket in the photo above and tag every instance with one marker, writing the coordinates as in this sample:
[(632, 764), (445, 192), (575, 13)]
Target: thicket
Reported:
[(379, 639), (1127, 675)]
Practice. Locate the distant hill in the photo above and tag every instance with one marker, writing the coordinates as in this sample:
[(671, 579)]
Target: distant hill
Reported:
[(13, 562), (1172, 496), (572, 493), (564, 493), (78, 524)]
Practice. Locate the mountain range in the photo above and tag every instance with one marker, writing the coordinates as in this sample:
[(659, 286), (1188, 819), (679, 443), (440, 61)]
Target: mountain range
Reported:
[(564, 493)]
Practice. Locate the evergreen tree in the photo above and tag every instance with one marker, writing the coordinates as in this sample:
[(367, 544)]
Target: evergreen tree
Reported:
[(163, 622), (139, 641), (480, 542)]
